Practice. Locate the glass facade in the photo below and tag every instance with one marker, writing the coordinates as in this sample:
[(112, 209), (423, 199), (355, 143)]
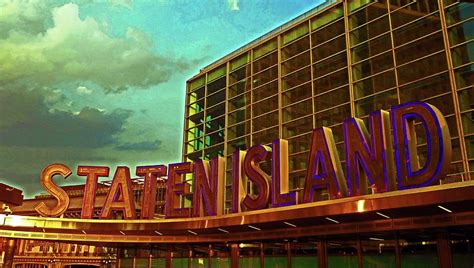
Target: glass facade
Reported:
[(349, 59)]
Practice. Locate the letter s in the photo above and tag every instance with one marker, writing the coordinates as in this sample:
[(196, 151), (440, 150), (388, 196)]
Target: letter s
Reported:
[(48, 184)]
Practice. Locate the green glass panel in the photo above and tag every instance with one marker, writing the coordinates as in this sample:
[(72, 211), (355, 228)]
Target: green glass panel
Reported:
[(126, 263), (220, 262), (327, 17), (141, 263), (197, 82), (295, 33), (463, 260), (216, 73), (378, 261), (240, 61), (355, 4), (419, 260), (265, 49), (346, 261), (276, 262), (179, 262), (158, 263), (249, 262)]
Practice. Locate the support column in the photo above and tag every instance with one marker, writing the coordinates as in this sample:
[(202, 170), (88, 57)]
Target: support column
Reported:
[(322, 254), (262, 256), (359, 253), (288, 254), (169, 255), (9, 253), (234, 255), (397, 251), (209, 256), (150, 259), (444, 251)]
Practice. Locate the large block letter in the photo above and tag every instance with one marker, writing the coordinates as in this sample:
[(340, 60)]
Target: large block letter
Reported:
[(324, 167), (49, 185), (259, 179), (209, 187), (120, 196), (176, 187), (369, 157), (92, 173), (409, 172), (151, 173), (239, 181), (280, 192)]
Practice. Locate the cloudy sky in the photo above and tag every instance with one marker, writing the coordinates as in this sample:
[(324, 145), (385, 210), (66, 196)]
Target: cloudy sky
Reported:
[(104, 83)]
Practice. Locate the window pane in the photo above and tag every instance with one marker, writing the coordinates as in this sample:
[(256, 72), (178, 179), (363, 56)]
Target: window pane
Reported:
[(297, 110), (330, 64), (265, 62), (297, 127), (331, 81), (372, 66), (369, 30), (327, 17), (373, 103), (296, 94), (324, 34), (296, 63), (296, 79), (332, 116), (265, 91), (374, 84), (463, 54), (295, 33), (327, 100), (371, 48), (422, 68), (420, 48)]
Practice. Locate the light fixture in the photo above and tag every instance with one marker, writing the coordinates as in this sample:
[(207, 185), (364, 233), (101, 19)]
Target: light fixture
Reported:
[(84, 232), (376, 239), (158, 233), (191, 232), (222, 230), (330, 219), (122, 232), (382, 215), (253, 227), (289, 224), (445, 209)]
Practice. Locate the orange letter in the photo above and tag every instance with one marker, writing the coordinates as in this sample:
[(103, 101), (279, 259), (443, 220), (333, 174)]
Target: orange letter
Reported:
[(209, 187), (47, 182), (324, 168), (88, 198), (120, 195), (176, 188), (151, 173)]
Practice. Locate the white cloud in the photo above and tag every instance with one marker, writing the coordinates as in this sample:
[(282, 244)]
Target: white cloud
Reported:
[(78, 50), (83, 90), (234, 5)]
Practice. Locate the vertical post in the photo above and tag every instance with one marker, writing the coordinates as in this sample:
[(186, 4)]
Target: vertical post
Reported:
[(169, 255), (444, 251), (150, 259), (119, 256), (134, 262), (397, 251), (288, 254), (9, 253), (322, 254), (262, 256), (190, 257), (209, 256), (359, 253), (234, 255)]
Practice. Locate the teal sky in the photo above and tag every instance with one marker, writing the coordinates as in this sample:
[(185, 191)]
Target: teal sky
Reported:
[(103, 83)]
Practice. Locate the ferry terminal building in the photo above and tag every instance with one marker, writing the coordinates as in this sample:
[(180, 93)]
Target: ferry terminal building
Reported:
[(340, 60)]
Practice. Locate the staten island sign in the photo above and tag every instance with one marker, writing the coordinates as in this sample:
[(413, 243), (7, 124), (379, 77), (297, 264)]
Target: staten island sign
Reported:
[(383, 157)]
